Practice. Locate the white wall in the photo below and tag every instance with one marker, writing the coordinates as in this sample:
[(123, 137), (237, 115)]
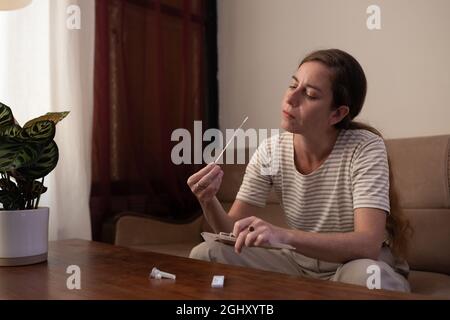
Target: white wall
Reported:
[(407, 62)]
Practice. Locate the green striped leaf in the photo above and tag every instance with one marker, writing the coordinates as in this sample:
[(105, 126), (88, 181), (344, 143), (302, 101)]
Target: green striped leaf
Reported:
[(12, 133), (42, 164), (55, 117), (12, 200), (6, 199), (40, 132), (31, 189), (15, 155), (6, 116), (37, 189), (8, 185)]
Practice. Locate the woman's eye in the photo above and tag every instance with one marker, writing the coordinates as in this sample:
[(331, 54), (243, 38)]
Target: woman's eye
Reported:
[(310, 96)]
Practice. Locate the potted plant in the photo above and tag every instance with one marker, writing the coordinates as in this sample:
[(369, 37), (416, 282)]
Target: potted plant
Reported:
[(27, 155)]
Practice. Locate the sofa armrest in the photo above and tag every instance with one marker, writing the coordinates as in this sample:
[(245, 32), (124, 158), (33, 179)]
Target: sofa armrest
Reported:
[(133, 229)]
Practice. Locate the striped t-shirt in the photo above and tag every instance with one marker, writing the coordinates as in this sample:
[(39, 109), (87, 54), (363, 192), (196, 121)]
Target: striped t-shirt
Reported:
[(355, 175)]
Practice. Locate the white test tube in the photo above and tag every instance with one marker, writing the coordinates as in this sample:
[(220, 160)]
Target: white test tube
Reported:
[(158, 274)]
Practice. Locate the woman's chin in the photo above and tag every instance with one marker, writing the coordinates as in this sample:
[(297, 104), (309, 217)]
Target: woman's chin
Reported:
[(285, 125), (288, 126)]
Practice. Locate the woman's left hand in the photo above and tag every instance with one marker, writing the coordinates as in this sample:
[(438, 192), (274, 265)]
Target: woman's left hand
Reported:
[(253, 231)]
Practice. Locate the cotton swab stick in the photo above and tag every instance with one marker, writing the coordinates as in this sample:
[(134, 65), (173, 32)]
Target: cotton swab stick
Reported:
[(231, 139)]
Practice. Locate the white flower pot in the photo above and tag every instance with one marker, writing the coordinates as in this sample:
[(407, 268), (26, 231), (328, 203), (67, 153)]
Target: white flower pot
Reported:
[(23, 236)]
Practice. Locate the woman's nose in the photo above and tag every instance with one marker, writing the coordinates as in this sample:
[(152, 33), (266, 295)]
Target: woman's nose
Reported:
[(293, 98)]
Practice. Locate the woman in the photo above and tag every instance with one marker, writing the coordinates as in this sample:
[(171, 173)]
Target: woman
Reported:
[(333, 181)]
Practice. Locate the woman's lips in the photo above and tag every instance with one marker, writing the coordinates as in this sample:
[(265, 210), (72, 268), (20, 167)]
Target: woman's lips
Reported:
[(288, 115)]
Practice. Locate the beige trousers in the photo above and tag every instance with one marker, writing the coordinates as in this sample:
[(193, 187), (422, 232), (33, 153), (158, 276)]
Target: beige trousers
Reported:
[(287, 261)]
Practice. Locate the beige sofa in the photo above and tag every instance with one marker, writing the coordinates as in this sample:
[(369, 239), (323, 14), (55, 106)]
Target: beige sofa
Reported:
[(421, 168)]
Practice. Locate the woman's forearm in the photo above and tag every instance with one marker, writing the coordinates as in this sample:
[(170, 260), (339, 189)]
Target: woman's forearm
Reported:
[(216, 216), (334, 247)]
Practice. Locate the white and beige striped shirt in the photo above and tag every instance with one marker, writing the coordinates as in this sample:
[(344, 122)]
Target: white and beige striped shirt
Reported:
[(355, 175)]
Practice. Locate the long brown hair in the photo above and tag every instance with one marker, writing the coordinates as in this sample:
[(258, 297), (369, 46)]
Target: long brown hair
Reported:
[(349, 86)]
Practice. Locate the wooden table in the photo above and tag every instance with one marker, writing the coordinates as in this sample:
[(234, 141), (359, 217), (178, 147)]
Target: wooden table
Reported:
[(112, 272)]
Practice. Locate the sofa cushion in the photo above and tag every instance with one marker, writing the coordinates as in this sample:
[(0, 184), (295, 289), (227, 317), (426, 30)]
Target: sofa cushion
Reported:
[(231, 181), (174, 249), (429, 283), (420, 168), (428, 248), (134, 230)]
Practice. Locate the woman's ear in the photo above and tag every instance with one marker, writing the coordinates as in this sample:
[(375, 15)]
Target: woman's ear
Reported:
[(338, 114)]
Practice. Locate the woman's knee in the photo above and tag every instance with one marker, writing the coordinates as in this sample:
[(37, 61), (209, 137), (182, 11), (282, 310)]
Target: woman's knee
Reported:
[(371, 274), (211, 251), (201, 252)]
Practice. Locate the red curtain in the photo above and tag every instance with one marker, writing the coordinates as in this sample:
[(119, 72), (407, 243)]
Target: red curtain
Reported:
[(149, 81)]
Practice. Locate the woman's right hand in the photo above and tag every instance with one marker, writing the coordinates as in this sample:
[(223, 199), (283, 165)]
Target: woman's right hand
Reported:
[(206, 182)]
